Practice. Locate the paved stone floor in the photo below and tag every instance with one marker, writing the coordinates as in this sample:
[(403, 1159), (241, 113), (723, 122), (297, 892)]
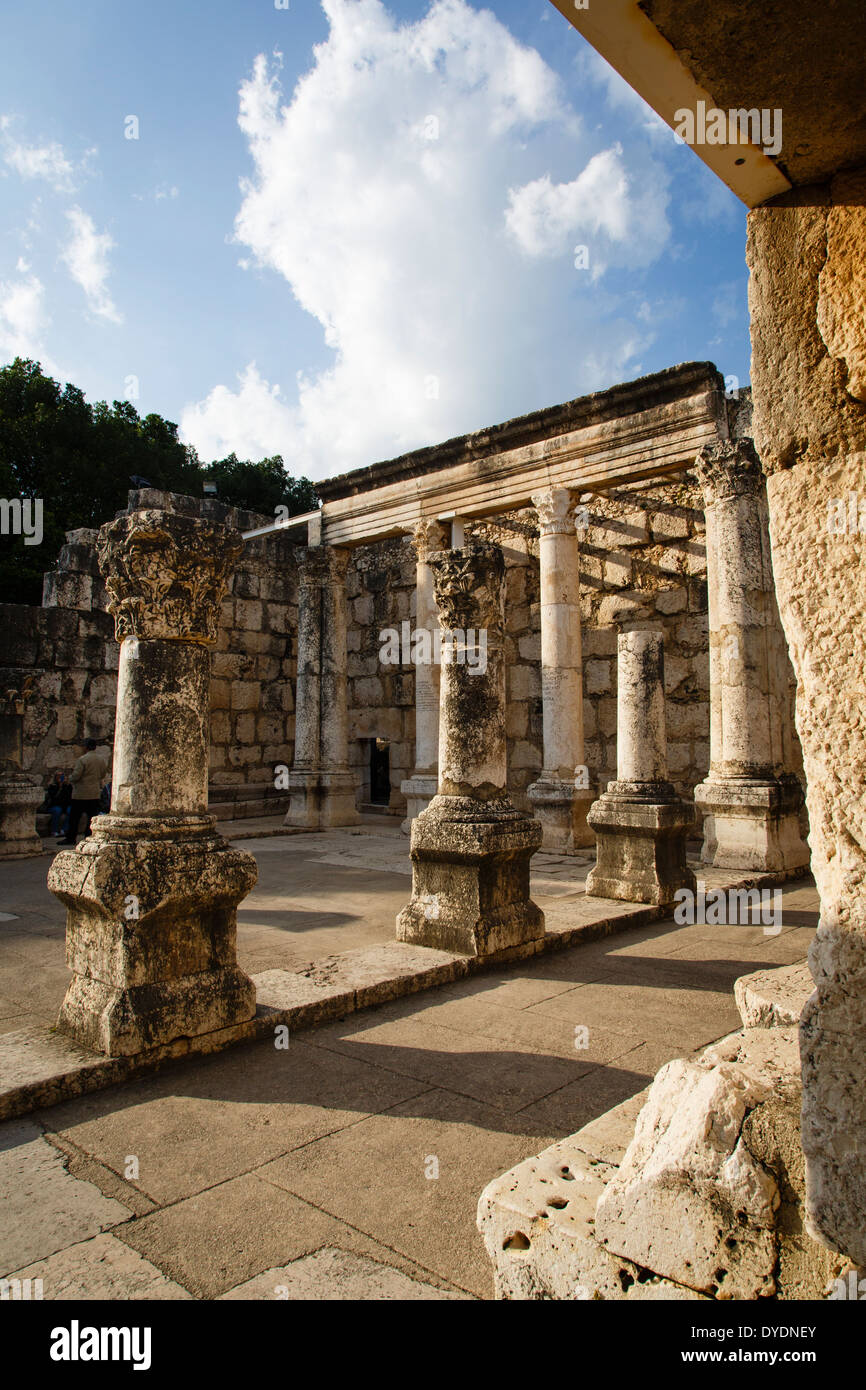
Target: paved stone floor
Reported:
[(350, 1164)]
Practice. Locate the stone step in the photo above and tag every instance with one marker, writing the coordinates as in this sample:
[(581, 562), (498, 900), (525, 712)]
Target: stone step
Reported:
[(773, 998)]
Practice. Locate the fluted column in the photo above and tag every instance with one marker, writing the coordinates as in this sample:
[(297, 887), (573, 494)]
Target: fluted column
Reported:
[(751, 798), (471, 848), (419, 789), (640, 823), (152, 893), (561, 797), (321, 784)]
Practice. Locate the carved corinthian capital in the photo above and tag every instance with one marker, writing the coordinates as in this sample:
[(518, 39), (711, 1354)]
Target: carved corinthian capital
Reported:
[(320, 565), (166, 574), (730, 468), (554, 511), (470, 586)]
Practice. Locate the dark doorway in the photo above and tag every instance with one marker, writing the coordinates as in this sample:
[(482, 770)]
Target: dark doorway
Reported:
[(380, 771)]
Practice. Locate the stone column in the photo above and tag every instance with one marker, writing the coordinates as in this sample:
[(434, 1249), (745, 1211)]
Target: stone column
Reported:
[(420, 788), (471, 848), (806, 295), (152, 894), (20, 792), (640, 823), (751, 799), (561, 796), (321, 784)]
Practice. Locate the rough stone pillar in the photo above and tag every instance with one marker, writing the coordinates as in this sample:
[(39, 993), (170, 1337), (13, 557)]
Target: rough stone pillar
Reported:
[(640, 823), (561, 796), (321, 784), (471, 848), (20, 793), (807, 294), (751, 798), (152, 894), (420, 788)]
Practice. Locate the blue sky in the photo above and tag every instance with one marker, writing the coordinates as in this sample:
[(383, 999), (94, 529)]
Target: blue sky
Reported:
[(379, 258)]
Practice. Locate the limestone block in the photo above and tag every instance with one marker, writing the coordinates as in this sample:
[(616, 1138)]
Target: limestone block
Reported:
[(690, 1202), (773, 998), (598, 676), (537, 1222), (246, 695), (671, 600)]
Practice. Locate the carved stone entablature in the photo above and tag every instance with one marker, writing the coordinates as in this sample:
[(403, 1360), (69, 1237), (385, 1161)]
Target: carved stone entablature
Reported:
[(730, 468), (166, 574), (554, 509), (469, 586)]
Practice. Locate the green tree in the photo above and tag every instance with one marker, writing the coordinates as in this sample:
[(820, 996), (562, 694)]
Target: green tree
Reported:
[(261, 487), (79, 460)]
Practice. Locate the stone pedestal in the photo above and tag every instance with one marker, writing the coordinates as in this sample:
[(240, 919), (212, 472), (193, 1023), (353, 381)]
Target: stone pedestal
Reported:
[(321, 785), (419, 789), (471, 848), (640, 823), (562, 796), (152, 894), (20, 793), (751, 799)]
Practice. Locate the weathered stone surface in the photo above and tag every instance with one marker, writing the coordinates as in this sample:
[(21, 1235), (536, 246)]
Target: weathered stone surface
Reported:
[(321, 785), (101, 1268), (751, 798), (689, 1201), (640, 823), (538, 1225), (773, 998), (151, 896), (810, 430), (329, 1275), (471, 849), (561, 797)]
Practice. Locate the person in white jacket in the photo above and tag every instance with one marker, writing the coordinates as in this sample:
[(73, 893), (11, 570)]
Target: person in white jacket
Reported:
[(87, 777)]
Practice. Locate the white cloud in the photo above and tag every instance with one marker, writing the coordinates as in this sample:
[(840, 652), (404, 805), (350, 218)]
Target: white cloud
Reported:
[(412, 195), (23, 319), (86, 257), (48, 162)]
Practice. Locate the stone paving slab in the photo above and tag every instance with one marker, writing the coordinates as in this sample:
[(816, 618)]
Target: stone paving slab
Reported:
[(47, 1209), (101, 1268), (39, 1066), (331, 1274)]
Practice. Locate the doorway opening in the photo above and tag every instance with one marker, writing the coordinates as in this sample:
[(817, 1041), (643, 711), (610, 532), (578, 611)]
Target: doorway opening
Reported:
[(380, 771)]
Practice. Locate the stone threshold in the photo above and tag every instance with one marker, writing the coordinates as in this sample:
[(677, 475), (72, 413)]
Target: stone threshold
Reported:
[(42, 1066)]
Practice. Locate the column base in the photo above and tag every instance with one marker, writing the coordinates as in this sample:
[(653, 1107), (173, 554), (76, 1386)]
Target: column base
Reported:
[(641, 831), (419, 790), (20, 794), (151, 933), (752, 824), (321, 800), (470, 878), (562, 808)]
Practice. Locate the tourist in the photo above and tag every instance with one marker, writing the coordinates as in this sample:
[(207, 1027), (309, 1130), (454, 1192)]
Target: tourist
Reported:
[(87, 778), (58, 796)]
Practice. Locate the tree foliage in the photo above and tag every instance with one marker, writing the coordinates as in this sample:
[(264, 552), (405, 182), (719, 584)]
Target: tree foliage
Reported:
[(80, 459)]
